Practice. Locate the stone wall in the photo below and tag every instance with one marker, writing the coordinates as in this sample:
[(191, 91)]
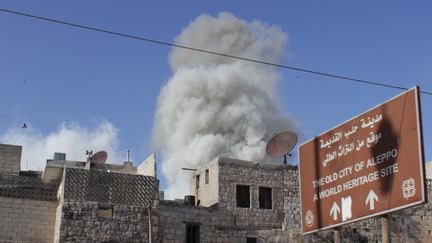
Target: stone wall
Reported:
[(83, 221), (236, 172), (148, 166), (28, 187), (99, 206), (292, 208), (24, 220), (207, 193), (234, 224), (174, 217), (10, 159)]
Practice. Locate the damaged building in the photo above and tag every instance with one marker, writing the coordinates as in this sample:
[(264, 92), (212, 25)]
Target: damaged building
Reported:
[(231, 200)]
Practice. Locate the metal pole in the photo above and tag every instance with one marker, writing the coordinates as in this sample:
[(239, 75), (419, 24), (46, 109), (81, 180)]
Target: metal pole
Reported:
[(385, 228), (336, 235), (150, 225)]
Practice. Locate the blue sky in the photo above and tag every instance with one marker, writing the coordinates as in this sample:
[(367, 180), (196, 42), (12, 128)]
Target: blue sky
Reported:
[(51, 74)]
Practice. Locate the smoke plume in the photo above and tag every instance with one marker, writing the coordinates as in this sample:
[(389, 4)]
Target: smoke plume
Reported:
[(70, 138), (218, 106)]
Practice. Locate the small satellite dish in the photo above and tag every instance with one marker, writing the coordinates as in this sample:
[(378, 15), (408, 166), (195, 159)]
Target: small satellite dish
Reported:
[(281, 144), (99, 157)]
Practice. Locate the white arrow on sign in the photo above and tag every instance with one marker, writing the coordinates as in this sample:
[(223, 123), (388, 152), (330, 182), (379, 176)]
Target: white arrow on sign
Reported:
[(334, 210), (371, 197)]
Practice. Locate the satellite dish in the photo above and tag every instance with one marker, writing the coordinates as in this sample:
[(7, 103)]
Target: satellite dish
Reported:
[(99, 157), (281, 144)]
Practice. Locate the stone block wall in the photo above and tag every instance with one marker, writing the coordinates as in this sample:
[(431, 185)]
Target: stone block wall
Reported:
[(148, 167), (173, 219), (27, 187), (99, 206), (24, 220), (207, 193), (10, 159), (409, 225), (175, 216), (291, 199), (82, 222), (236, 172)]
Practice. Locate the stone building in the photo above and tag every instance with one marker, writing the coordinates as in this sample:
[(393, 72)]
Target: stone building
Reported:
[(76, 201), (231, 200)]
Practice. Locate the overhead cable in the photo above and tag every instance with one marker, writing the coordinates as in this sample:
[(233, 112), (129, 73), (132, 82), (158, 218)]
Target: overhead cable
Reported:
[(207, 51)]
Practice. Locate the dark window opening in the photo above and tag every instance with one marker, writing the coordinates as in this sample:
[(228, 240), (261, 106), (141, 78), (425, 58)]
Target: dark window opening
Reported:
[(251, 240), (68, 215), (206, 176), (192, 233), (265, 197), (243, 196), (197, 181)]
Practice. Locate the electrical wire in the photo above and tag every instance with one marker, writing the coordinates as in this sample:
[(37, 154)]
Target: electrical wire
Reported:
[(207, 51)]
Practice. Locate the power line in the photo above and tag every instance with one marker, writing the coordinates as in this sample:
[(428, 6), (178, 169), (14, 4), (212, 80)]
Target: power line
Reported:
[(208, 51)]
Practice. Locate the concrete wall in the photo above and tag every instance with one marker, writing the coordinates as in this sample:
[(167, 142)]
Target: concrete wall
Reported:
[(26, 220), (10, 159)]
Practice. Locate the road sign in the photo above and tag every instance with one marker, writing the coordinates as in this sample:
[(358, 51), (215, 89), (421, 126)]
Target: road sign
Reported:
[(370, 165)]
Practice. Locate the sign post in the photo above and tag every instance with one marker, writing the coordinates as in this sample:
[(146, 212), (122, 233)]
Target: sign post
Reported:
[(370, 165), (336, 235), (385, 228)]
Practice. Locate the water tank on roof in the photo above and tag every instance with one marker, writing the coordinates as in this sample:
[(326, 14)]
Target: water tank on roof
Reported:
[(189, 200), (59, 156)]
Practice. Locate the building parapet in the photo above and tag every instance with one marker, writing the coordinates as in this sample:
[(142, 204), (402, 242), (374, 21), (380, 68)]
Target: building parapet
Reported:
[(250, 164), (28, 187), (114, 188)]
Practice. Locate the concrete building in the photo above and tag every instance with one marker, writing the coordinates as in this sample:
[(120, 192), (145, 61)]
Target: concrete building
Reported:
[(231, 200)]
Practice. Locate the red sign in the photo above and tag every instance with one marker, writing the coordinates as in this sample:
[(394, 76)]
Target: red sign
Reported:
[(371, 165)]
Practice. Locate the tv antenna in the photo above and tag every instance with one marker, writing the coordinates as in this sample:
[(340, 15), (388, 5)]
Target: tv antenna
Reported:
[(89, 153), (281, 144)]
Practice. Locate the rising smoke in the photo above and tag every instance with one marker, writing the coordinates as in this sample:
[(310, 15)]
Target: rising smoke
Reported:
[(218, 106)]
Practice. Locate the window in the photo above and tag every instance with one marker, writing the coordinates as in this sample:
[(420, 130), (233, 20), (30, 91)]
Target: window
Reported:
[(197, 182), (243, 196), (206, 176), (251, 240), (104, 212), (192, 233), (68, 215), (265, 197)]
